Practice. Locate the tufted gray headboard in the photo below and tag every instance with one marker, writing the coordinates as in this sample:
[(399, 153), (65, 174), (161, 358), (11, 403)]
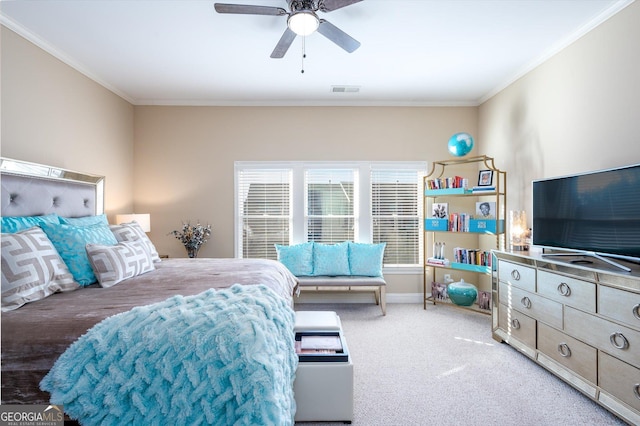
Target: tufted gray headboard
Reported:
[(30, 189)]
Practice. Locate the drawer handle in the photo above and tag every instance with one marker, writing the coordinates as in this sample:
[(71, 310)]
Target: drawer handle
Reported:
[(636, 390), (564, 350), (515, 323), (526, 302), (636, 311), (619, 341), (515, 275), (564, 289)]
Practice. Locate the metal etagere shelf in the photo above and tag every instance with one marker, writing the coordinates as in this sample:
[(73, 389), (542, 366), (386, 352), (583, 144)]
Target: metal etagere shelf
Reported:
[(488, 233)]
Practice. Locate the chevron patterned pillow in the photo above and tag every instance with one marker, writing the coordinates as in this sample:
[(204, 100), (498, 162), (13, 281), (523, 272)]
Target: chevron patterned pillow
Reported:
[(32, 269), (113, 264), (132, 231)]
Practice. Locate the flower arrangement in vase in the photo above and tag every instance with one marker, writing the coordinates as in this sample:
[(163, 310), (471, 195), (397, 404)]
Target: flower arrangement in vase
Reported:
[(192, 237)]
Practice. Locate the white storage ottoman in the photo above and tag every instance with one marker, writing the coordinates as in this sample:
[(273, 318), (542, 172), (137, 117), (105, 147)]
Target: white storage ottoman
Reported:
[(323, 390)]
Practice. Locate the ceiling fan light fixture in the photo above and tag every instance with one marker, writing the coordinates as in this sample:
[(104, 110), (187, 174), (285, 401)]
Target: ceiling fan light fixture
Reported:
[(303, 23)]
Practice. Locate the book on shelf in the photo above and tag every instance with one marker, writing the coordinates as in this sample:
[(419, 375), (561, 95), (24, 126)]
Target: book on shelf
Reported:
[(300, 350), (321, 342), (447, 183), (459, 222), (438, 261), (477, 189), (472, 256)]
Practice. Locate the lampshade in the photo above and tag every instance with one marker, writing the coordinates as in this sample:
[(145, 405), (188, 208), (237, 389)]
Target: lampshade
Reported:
[(144, 220), (303, 23)]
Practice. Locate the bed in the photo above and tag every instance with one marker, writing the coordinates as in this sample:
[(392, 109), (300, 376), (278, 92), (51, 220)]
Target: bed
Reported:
[(236, 308)]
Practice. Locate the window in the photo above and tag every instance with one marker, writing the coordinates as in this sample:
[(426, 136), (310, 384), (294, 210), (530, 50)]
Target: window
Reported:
[(294, 202), (265, 214), (396, 215), (330, 205)]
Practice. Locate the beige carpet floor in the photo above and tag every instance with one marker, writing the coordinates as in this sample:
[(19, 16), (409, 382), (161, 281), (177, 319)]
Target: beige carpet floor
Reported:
[(441, 367)]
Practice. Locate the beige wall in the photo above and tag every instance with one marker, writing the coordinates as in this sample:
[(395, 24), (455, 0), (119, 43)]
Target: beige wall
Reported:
[(185, 156), (54, 115), (579, 111)]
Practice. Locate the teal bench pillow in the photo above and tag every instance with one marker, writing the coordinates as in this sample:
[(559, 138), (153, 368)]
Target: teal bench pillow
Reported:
[(331, 259), (366, 259), (298, 258)]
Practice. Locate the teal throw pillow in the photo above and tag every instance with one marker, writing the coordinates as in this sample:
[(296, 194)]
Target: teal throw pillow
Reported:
[(331, 259), (13, 224), (297, 258), (366, 259), (70, 241), (85, 220)]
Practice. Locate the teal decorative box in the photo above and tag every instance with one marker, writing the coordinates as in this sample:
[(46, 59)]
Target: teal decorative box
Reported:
[(446, 191), (471, 267), (486, 226), (435, 224)]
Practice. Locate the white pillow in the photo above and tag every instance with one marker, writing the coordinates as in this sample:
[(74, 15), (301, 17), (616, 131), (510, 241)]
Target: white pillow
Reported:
[(131, 232), (113, 264), (32, 269)]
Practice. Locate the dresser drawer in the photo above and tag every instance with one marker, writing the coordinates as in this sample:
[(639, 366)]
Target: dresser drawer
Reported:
[(569, 352), (540, 308), (621, 342), (570, 291), (619, 379), (620, 305), (518, 325), (517, 275)]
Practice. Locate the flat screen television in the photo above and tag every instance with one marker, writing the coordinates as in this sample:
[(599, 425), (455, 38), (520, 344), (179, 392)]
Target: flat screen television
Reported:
[(595, 213)]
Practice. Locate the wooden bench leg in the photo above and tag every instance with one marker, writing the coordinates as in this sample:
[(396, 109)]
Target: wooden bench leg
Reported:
[(383, 299)]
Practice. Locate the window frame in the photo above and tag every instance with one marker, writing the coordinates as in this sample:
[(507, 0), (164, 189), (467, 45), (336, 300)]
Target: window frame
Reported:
[(363, 231)]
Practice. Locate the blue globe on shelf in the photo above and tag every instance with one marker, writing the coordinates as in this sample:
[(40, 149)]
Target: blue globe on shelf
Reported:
[(460, 144)]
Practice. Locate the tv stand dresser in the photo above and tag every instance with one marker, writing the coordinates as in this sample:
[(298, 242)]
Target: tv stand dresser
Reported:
[(579, 318)]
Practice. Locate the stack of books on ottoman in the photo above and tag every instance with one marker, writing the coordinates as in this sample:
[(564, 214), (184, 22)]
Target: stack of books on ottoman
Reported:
[(321, 346)]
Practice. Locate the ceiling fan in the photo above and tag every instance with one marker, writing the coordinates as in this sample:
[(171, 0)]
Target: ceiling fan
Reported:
[(302, 20)]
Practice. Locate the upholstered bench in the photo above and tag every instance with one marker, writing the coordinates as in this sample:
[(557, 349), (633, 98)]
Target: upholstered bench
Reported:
[(351, 283), (346, 265)]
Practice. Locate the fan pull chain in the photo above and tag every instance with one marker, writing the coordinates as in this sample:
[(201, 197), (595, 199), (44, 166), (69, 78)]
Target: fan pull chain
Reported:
[(304, 54)]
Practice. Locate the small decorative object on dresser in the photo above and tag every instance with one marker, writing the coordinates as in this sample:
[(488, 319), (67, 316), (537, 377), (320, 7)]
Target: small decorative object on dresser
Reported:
[(192, 237)]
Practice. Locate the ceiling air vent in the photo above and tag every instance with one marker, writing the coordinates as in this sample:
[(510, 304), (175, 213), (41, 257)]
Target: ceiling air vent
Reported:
[(345, 89)]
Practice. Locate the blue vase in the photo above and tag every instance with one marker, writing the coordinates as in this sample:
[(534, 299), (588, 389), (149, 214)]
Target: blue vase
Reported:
[(462, 293)]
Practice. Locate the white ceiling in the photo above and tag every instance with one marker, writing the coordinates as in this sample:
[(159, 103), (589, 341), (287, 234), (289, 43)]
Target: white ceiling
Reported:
[(414, 52)]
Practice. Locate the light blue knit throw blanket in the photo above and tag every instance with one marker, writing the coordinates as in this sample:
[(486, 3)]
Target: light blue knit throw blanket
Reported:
[(222, 357)]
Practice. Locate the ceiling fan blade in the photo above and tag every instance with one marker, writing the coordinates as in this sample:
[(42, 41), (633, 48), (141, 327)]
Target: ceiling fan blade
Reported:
[(338, 36), (329, 5), (246, 9), (283, 45)]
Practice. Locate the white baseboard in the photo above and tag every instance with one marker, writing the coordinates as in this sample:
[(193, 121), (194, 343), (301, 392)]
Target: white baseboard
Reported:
[(354, 297)]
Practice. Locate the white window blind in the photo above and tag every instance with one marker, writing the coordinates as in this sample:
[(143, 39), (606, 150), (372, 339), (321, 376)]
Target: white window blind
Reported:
[(396, 211), (330, 205), (264, 211)]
